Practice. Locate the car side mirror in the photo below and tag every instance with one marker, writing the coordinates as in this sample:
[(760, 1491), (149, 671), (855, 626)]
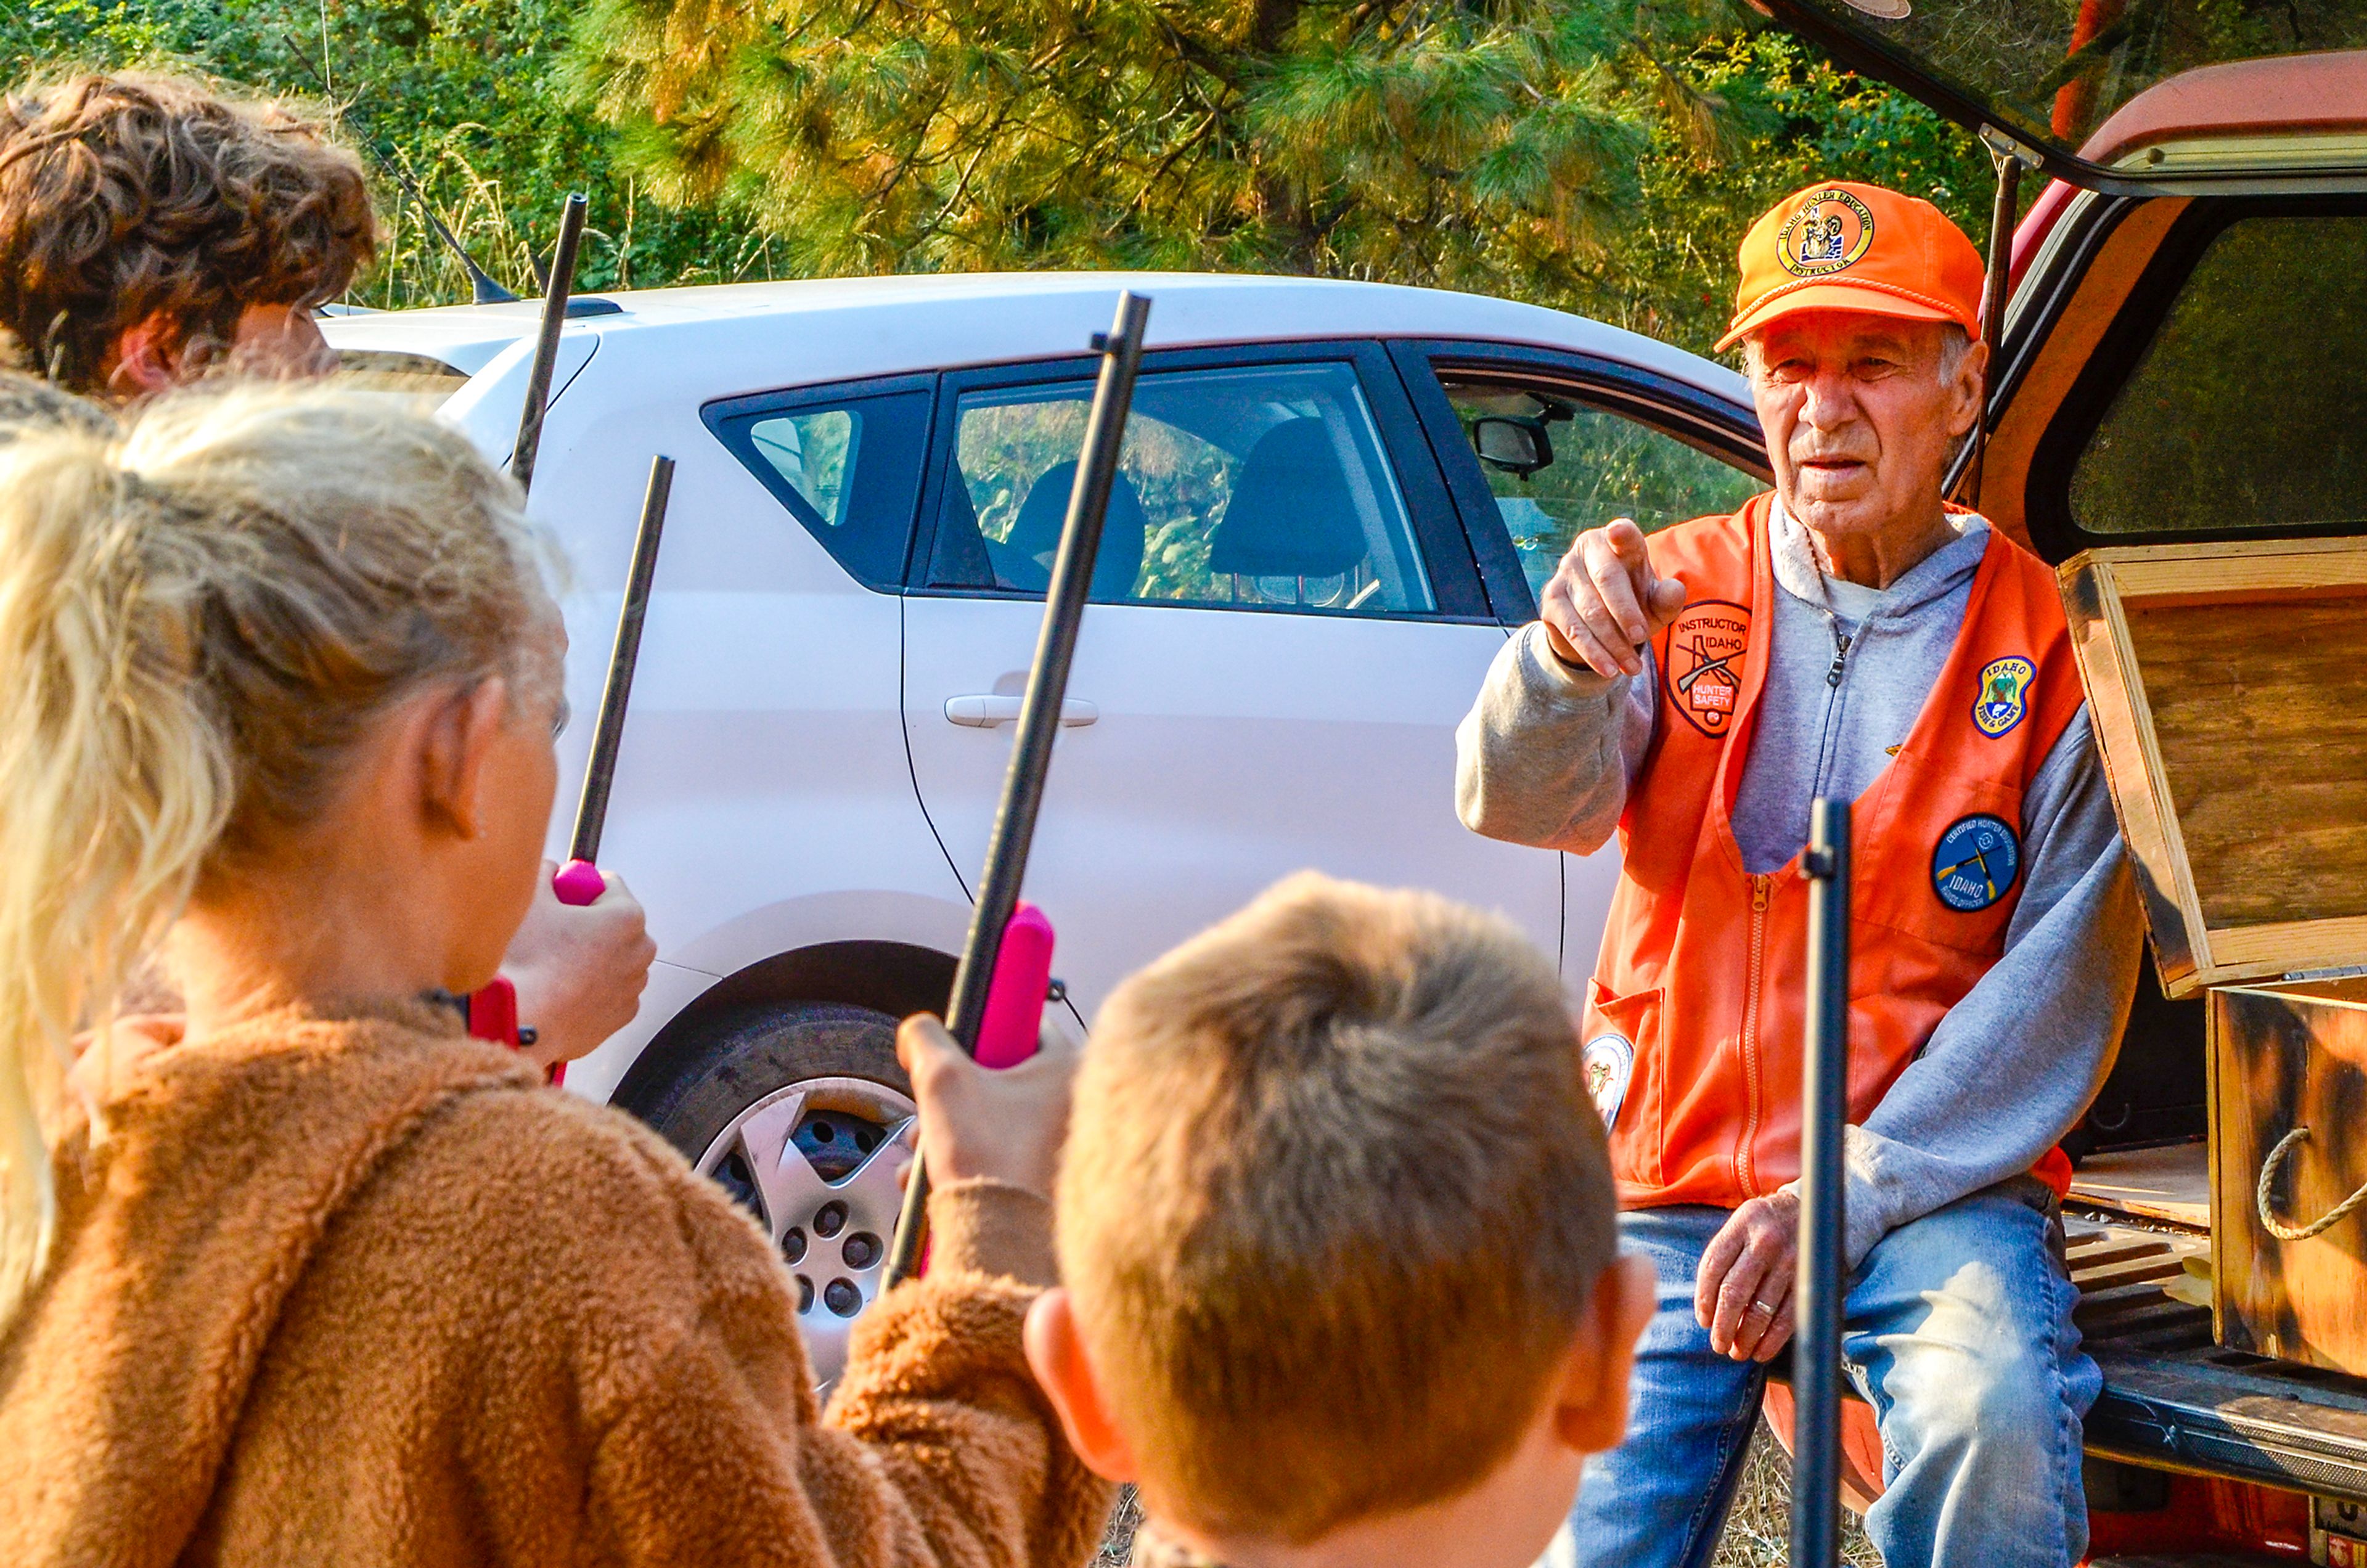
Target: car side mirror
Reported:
[(1513, 445)]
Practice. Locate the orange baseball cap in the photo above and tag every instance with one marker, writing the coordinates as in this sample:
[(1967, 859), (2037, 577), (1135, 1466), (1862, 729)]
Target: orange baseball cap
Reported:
[(1844, 247)]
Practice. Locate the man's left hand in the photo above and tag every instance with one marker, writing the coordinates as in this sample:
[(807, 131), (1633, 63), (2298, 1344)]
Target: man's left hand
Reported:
[(1743, 1294)]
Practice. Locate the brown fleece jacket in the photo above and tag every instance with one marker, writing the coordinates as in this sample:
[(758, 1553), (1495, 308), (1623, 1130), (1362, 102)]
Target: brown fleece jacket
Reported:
[(361, 1291)]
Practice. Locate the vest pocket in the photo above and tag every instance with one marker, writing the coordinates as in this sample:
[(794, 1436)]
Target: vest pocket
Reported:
[(1621, 1055)]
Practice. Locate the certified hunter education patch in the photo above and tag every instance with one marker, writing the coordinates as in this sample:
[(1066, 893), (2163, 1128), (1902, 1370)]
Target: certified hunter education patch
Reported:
[(2005, 694), (1704, 669), (1975, 863), (1831, 230)]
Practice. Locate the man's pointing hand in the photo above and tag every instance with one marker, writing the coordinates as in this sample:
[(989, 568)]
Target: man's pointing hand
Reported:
[(1605, 601)]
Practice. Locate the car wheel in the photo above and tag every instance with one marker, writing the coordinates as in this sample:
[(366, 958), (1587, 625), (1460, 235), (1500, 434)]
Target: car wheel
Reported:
[(800, 1112)]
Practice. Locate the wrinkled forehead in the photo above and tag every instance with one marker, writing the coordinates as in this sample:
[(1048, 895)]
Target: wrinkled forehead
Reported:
[(1846, 334)]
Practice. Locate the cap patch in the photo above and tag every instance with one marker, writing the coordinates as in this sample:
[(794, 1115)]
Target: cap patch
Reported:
[(1831, 230), (1705, 667)]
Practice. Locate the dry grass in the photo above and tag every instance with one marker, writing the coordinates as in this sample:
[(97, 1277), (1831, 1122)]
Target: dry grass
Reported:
[(1758, 1532)]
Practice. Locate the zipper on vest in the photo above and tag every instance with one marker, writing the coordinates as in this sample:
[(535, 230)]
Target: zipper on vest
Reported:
[(1841, 653), (1746, 1159)]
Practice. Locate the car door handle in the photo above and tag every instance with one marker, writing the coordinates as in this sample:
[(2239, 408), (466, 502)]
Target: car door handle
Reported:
[(985, 712)]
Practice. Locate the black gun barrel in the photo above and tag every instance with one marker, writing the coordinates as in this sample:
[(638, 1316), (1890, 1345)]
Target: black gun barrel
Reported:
[(608, 732), (1039, 722), (1817, 1333), (546, 346)]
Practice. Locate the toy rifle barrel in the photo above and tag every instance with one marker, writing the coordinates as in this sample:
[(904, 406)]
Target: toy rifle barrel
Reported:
[(608, 733), (1039, 722), (1816, 1342), (546, 346)]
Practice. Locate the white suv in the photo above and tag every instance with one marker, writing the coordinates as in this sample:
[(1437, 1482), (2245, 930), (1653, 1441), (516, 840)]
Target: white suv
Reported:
[(1307, 569)]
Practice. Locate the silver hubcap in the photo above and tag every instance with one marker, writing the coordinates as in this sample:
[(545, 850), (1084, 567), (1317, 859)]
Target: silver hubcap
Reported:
[(821, 1157)]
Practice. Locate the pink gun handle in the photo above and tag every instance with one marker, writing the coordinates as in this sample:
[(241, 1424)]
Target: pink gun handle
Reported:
[(578, 881), (1015, 999)]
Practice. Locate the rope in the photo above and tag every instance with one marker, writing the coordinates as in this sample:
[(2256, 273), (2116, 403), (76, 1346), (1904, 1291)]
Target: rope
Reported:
[(2277, 1228)]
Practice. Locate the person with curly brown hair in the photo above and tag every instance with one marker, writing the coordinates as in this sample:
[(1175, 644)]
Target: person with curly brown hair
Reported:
[(151, 229), (154, 230)]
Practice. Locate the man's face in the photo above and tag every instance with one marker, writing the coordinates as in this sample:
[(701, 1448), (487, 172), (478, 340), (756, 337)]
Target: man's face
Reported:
[(1860, 421)]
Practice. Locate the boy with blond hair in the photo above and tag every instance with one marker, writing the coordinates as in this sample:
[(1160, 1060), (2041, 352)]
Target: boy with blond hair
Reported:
[(1335, 1222)]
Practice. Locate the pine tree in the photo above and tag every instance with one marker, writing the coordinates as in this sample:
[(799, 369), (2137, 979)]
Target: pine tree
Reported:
[(1419, 140), (1522, 147)]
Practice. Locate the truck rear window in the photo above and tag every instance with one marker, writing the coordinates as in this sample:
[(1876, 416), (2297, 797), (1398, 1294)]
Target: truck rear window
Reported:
[(2248, 410)]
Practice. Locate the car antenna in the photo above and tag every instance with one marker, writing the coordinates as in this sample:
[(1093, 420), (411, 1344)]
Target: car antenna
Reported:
[(1039, 724), (483, 289)]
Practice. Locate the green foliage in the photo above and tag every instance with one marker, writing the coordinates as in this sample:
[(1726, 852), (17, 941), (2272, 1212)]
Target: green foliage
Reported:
[(1599, 155), (462, 93)]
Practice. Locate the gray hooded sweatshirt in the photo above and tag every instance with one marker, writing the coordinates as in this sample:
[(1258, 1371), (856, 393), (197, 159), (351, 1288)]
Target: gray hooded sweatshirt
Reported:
[(1548, 753)]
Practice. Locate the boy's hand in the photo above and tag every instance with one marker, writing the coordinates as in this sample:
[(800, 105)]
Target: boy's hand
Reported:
[(579, 969), (1005, 1123), (1743, 1294), (1605, 600)]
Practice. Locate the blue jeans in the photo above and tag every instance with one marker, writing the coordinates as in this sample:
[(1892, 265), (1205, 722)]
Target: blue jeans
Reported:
[(1957, 1330)]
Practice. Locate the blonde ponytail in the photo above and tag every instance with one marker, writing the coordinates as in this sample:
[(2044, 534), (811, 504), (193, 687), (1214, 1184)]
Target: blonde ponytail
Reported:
[(199, 613)]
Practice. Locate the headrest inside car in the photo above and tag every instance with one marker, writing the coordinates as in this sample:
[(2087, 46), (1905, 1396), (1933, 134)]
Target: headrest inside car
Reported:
[(1036, 532), (1291, 513)]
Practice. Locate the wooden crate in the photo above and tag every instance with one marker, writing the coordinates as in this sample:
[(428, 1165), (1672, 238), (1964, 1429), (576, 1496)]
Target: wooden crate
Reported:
[(2227, 684), (2286, 1057)]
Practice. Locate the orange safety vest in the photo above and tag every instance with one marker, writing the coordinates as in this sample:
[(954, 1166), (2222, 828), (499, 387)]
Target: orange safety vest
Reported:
[(1694, 1021)]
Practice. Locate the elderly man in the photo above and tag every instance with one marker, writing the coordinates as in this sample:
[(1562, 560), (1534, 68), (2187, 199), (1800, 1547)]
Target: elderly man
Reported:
[(1848, 637)]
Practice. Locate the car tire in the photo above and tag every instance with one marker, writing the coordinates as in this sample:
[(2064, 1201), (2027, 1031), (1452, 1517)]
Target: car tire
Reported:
[(802, 1114)]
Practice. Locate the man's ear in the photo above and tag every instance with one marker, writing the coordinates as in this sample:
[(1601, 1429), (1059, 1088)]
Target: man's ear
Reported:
[(1056, 1353), (1969, 388), (457, 747), (147, 357), (1593, 1412)]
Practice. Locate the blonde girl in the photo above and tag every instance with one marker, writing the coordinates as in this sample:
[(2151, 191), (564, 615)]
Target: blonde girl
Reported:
[(308, 1276)]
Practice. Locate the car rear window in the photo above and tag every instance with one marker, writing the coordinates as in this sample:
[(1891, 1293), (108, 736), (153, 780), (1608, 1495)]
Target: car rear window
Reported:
[(2248, 410), (847, 467)]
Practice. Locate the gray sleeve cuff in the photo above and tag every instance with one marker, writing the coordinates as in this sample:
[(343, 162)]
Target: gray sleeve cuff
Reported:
[(1869, 1200), (1542, 758)]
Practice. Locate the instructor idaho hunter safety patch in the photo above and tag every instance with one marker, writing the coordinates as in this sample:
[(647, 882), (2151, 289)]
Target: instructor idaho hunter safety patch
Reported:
[(1975, 863), (1704, 669)]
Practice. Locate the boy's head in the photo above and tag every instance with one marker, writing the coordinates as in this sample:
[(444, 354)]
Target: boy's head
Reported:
[(150, 227), (1336, 1228)]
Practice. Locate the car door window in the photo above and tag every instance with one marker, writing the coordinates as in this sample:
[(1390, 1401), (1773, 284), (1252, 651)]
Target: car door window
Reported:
[(2248, 410), (1254, 487), (848, 468), (1557, 466)]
